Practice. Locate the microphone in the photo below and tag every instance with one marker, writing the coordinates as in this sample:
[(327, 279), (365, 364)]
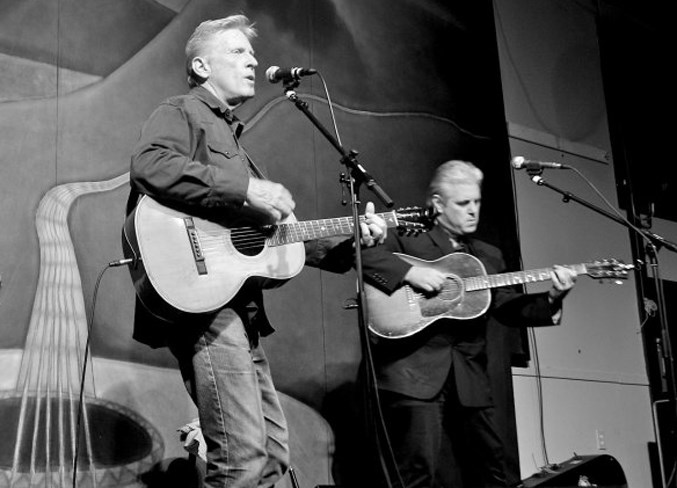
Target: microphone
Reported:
[(518, 162), (122, 262), (276, 74)]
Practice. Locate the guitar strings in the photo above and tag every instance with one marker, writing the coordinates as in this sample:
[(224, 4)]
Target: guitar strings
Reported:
[(246, 238), (249, 237)]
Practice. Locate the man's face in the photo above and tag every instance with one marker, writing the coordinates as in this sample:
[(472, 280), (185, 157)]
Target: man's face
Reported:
[(229, 59), (459, 207)]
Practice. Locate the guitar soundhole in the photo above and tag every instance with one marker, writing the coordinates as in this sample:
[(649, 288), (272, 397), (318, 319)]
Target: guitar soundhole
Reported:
[(250, 241), (452, 289)]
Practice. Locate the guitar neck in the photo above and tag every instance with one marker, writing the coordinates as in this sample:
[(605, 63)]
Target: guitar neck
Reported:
[(515, 278), (309, 230)]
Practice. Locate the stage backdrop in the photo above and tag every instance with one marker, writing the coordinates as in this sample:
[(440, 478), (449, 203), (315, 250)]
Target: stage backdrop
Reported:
[(413, 84)]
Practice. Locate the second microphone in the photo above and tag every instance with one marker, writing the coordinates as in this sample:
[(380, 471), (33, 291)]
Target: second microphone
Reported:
[(518, 162)]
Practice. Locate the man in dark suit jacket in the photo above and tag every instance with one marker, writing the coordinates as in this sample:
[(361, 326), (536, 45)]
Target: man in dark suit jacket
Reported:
[(433, 384)]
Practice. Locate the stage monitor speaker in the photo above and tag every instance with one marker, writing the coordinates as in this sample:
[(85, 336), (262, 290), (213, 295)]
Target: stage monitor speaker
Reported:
[(602, 471)]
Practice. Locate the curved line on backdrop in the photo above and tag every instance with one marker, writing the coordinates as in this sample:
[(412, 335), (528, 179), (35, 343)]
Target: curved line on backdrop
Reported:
[(426, 115)]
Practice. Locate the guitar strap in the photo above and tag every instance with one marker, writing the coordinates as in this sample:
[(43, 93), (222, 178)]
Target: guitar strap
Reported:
[(252, 168)]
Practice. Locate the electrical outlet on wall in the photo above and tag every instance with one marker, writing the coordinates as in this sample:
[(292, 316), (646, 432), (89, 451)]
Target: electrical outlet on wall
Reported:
[(601, 440)]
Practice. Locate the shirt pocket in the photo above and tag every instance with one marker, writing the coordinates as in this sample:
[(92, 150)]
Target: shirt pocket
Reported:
[(222, 154)]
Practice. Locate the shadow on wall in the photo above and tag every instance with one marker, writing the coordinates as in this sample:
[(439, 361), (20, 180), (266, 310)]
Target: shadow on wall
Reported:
[(355, 462), (173, 473)]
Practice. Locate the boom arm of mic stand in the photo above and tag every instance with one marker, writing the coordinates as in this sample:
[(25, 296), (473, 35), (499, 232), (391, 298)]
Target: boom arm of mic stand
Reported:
[(654, 241), (349, 159), (651, 237), (567, 196)]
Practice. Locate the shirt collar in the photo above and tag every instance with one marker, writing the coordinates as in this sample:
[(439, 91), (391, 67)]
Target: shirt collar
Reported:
[(457, 241), (218, 106)]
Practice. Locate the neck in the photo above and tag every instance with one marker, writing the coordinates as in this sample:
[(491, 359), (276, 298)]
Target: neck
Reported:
[(231, 104)]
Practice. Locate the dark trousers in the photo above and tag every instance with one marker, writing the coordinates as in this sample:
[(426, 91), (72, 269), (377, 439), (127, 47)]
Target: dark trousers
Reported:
[(439, 443)]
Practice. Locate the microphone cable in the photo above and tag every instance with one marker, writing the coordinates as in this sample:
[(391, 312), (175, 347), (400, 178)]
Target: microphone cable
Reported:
[(90, 323), (369, 371)]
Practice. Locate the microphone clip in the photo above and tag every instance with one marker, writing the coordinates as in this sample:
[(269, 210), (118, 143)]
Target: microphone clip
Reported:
[(534, 170), (291, 84)]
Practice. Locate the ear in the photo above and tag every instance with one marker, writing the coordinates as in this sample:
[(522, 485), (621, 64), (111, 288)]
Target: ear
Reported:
[(200, 67), (438, 203)]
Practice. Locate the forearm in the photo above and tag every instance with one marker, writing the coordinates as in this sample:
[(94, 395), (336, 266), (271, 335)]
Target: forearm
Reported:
[(384, 269), (335, 254), (527, 310)]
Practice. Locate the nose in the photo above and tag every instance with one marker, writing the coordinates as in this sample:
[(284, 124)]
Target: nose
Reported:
[(252, 61)]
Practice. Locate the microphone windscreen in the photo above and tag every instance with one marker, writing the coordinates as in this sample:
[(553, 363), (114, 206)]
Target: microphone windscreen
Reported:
[(517, 162), (272, 72)]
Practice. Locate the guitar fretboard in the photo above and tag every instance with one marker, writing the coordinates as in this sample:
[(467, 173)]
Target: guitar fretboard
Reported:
[(309, 230), (515, 278)]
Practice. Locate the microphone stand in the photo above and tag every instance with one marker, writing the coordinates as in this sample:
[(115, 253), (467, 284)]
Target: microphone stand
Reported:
[(653, 243), (357, 175)]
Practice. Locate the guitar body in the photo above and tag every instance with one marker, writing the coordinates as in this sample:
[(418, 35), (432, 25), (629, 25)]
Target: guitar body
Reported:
[(184, 264), (465, 295), (407, 311)]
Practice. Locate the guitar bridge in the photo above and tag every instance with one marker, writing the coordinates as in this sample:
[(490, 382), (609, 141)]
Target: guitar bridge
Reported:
[(195, 246)]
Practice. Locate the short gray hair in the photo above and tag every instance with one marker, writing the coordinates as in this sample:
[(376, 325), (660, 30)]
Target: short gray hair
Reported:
[(204, 32), (451, 173)]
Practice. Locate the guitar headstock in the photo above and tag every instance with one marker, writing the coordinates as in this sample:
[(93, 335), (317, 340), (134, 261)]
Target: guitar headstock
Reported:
[(414, 220), (608, 269)]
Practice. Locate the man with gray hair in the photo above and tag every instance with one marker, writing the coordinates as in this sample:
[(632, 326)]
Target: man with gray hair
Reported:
[(189, 156), (433, 383)]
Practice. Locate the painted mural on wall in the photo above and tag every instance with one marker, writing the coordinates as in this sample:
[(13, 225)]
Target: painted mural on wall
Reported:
[(78, 80), (45, 421)]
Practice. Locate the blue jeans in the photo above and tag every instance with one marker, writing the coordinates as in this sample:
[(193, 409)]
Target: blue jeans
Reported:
[(226, 373)]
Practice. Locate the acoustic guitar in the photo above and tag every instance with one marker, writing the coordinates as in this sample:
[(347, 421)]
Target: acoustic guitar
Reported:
[(185, 264), (465, 295)]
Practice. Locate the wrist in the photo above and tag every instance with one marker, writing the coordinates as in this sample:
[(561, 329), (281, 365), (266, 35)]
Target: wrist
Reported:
[(556, 296)]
